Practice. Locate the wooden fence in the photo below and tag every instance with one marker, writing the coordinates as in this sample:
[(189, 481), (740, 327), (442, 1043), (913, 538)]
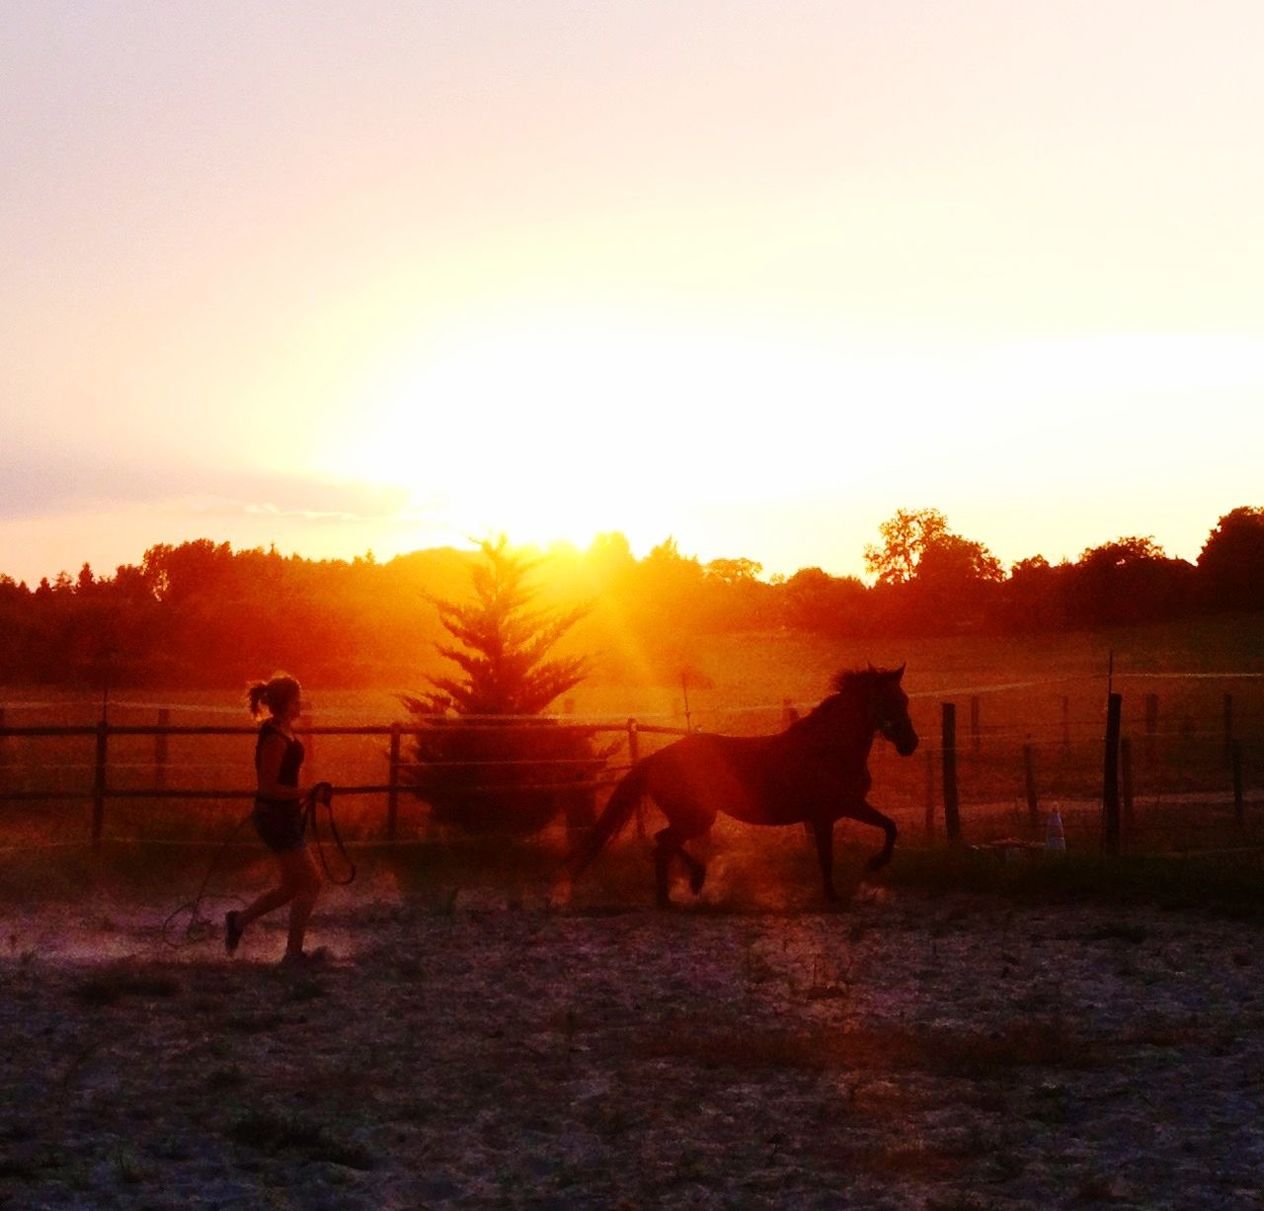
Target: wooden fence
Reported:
[(943, 763), (101, 790)]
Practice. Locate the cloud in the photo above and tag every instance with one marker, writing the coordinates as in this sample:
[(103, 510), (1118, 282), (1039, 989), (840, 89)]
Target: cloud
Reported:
[(40, 482)]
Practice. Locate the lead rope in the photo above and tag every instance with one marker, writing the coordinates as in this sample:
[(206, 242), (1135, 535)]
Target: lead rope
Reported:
[(323, 793), (199, 928)]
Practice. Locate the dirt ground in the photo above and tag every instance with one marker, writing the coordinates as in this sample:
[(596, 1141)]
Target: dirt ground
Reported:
[(480, 1052)]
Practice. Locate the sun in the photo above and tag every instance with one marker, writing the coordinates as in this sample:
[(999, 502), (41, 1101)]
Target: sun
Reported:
[(556, 428), (544, 434)]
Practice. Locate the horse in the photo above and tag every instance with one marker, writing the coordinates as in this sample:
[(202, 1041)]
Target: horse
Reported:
[(813, 773)]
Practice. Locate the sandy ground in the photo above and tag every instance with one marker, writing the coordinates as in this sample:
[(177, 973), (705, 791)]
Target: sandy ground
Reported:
[(907, 1053)]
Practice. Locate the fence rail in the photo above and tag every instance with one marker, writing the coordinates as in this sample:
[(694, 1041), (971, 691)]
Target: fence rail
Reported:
[(966, 757), (102, 791)]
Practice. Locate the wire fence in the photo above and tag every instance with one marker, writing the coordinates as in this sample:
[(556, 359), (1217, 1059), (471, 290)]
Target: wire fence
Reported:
[(1190, 762)]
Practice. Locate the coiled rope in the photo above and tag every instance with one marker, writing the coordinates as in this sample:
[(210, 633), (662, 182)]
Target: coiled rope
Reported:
[(200, 928)]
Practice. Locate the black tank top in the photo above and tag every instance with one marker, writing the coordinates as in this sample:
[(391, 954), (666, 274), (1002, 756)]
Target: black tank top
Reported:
[(292, 759)]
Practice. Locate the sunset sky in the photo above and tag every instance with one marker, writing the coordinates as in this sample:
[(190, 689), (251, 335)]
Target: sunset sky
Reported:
[(751, 274)]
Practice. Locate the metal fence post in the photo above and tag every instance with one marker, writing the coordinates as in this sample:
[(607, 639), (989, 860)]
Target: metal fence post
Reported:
[(1151, 727), (1029, 784), (160, 750), (930, 794), (1239, 805), (99, 784), (1110, 787), (952, 815), (392, 795), (1125, 778), (634, 755)]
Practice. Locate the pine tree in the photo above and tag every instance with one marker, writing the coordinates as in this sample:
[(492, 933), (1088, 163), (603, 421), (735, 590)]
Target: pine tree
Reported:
[(487, 760)]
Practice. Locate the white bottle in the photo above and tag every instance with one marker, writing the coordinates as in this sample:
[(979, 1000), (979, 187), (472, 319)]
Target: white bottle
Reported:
[(1055, 839)]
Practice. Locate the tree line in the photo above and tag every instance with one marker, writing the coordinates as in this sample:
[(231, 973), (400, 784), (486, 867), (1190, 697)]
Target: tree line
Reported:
[(202, 614)]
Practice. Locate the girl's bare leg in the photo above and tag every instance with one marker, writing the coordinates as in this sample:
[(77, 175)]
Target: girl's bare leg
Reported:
[(300, 885), (265, 904), (306, 880)]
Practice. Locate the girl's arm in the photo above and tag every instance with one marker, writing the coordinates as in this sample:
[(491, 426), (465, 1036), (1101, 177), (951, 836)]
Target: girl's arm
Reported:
[(271, 754)]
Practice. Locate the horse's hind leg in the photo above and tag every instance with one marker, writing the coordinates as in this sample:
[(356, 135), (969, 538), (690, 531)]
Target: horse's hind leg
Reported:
[(668, 844), (870, 815), (823, 835), (664, 847)]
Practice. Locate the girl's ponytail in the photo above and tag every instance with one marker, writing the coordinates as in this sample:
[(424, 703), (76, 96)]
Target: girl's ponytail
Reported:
[(256, 697), (273, 694)]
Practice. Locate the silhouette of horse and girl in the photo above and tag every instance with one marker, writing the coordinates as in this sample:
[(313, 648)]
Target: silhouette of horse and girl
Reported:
[(814, 773)]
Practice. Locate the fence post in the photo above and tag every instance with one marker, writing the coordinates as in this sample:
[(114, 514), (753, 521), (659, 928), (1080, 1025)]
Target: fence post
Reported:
[(1029, 782), (392, 795), (1228, 727), (160, 750), (952, 817), (1151, 726), (1110, 786), (1125, 777), (98, 784), (634, 755), (930, 794), (1239, 807)]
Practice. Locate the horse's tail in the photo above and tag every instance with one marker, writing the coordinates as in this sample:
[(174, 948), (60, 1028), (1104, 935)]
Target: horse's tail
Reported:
[(619, 808)]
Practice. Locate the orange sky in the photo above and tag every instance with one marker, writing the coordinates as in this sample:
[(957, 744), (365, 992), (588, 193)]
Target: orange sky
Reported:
[(755, 275)]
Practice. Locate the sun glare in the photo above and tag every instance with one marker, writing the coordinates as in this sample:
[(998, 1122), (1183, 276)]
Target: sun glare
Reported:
[(555, 428), (565, 431)]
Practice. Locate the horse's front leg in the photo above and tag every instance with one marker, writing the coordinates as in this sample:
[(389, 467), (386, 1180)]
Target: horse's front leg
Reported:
[(823, 835), (870, 815)]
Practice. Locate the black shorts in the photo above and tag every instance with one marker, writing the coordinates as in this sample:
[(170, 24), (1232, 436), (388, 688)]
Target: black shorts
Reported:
[(280, 824)]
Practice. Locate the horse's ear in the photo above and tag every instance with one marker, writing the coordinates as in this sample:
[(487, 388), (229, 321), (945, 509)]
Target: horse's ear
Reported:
[(899, 673)]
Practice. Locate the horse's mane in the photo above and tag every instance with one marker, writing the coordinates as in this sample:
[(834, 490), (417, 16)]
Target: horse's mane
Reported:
[(854, 679), (848, 683)]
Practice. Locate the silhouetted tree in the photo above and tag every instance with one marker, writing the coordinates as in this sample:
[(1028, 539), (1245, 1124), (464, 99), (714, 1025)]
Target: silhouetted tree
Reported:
[(201, 614), (930, 579), (1129, 580), (954, 588), (905, 538), (1231, 564), (813, 600), (732, 571), (481, 765), (1033, 597)]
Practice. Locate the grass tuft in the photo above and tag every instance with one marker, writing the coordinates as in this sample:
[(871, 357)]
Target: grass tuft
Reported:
[(1230, 884), (110, 986), (1048, 1043), (272, 1132)]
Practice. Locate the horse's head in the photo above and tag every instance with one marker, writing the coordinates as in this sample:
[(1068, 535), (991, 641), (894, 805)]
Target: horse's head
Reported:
[(886, 702)]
